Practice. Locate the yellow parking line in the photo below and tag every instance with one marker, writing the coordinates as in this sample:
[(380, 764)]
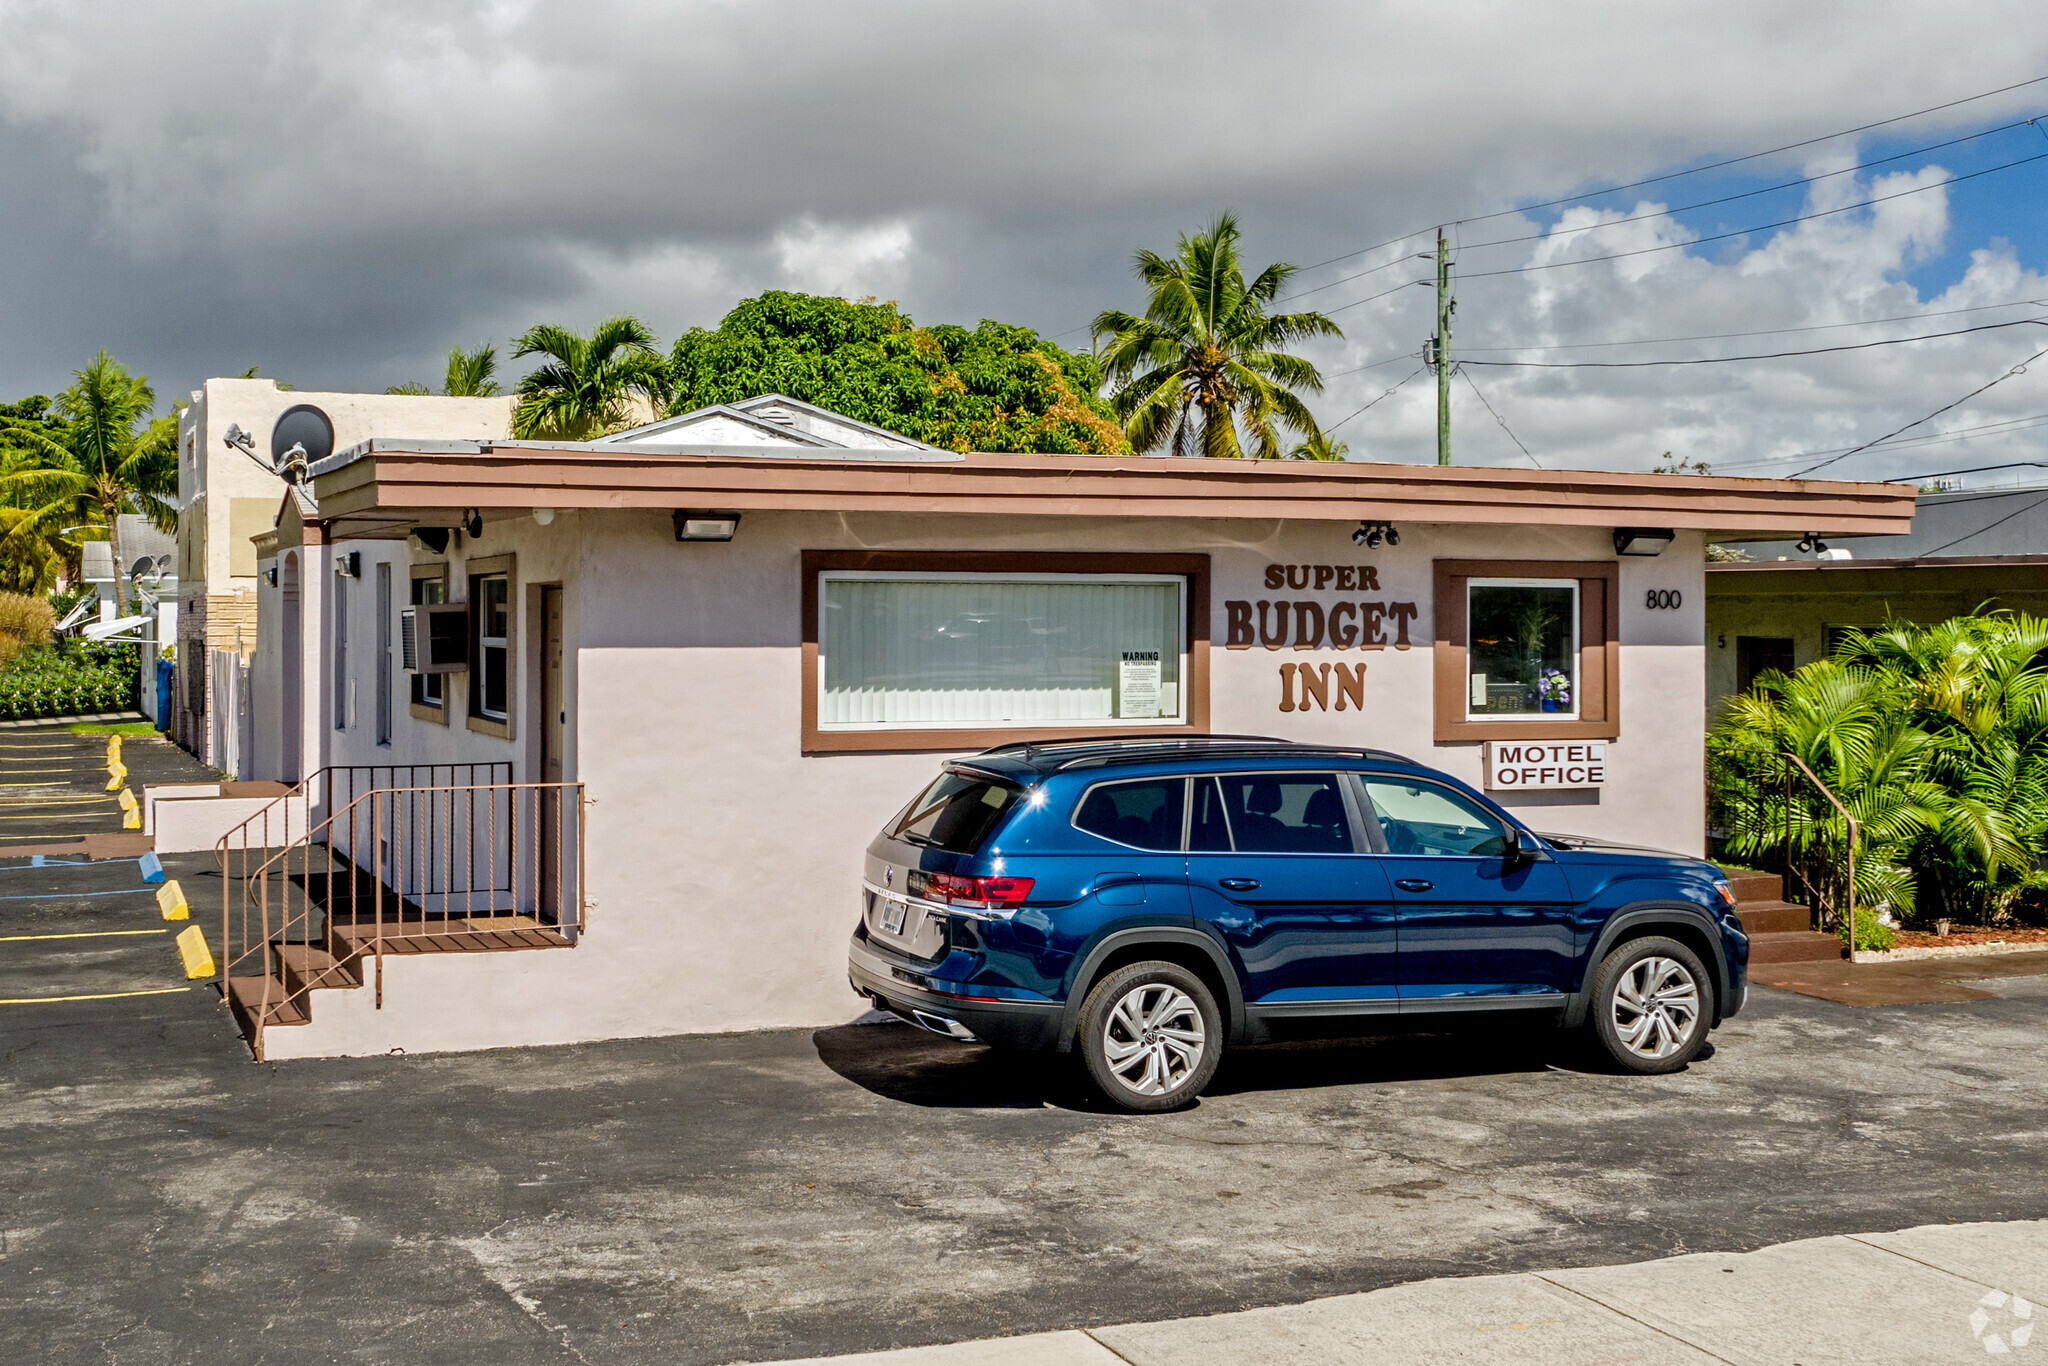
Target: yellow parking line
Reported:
[(81, 934), (97, 996)]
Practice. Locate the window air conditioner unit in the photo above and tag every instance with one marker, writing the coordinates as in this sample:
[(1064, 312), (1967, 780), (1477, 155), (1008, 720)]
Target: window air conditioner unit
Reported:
[(434, 638)]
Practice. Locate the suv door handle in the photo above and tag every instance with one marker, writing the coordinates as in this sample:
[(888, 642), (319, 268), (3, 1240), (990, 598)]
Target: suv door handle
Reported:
[(1413, 884), (1238, 884)]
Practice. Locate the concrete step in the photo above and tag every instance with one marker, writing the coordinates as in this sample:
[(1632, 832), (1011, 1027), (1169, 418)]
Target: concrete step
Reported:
[(1751, 886), (1773, 917), (305, 967), (1798, 946)]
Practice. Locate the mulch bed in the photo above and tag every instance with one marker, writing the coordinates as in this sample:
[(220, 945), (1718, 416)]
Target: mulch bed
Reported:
[(1960, 935)]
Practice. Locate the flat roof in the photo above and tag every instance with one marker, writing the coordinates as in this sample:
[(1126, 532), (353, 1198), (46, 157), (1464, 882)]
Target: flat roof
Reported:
[(372, 488), (1890, 563)]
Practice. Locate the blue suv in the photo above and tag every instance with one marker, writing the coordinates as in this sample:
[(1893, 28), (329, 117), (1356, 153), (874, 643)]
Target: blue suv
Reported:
[(1148, 902)]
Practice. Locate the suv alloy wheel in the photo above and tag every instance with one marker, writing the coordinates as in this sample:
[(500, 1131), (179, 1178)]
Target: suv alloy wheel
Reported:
[(1652, 1001), (1151, 1036)]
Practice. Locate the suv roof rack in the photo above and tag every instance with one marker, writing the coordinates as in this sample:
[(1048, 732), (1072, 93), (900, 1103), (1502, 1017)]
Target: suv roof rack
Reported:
[(1094, 751)]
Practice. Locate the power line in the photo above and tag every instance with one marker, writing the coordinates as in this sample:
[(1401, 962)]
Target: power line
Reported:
[(1950, 437), (1696, 170), (1501, 420), (1342, 420), (2019, 369), (1375, 365), (1766, 355), (1555, 233), (1974, 469), (1971, 536), (1761, 227), (1768, 331)]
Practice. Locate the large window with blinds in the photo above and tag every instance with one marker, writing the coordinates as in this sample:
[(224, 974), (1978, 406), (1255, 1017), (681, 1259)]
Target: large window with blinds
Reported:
[(972, 655)]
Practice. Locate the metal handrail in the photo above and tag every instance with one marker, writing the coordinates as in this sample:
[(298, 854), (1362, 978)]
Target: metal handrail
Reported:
[(1846, 913)]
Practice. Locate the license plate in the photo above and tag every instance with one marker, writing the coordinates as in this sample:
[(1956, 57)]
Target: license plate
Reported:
[(893, 914)]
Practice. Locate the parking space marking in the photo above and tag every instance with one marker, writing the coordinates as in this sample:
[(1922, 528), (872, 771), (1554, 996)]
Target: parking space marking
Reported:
[(78, 934), (97, 996)]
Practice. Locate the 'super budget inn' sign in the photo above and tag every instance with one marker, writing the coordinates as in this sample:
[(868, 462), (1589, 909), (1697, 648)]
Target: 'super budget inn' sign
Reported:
[(1533, 766)]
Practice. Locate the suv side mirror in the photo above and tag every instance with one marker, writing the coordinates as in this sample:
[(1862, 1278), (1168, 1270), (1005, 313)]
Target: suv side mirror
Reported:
[(1522, 847)]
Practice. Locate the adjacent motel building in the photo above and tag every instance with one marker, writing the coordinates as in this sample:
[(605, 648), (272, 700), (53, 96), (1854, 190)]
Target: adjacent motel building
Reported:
[(665, 687)]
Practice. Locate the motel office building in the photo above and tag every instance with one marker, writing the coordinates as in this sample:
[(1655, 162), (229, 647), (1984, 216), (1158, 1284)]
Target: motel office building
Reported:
[(739, 716)]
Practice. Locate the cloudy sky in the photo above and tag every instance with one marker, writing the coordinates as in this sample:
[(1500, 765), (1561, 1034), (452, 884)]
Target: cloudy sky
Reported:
[(339, 192)]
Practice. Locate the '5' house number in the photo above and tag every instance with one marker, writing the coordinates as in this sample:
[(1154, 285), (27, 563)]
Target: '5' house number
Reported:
[(1663, 599)]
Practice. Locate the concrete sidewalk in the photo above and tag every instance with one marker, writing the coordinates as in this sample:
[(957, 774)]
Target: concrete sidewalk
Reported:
[(1935, 1294)]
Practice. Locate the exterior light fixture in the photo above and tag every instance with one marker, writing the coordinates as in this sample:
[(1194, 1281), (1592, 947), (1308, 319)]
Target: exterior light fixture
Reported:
[(693, 525), (270, 576), (473, 522), (349, 566), (432, 539), (1812, 544), (543, 516), (1370, 534), (1641, 540)]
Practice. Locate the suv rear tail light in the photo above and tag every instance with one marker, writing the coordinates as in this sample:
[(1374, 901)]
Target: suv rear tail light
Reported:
[(978, 893)]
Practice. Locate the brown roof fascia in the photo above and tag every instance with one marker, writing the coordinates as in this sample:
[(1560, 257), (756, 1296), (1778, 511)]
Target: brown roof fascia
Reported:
[(1851, 566), (1041, 485)]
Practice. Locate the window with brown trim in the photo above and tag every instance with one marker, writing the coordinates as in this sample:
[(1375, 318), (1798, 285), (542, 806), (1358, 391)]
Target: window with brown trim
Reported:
[(492, 645), (1527, 648), (428, 692), (950, 650)]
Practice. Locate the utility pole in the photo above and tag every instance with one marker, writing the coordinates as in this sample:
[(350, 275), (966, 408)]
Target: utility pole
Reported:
[(1442, 350)]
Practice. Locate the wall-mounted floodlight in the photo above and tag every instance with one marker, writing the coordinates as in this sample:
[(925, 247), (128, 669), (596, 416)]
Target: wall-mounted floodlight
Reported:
[(694, 525), (349, 566), (1641, 540), (1370, 534), (1812, 544), (432, 539), (270, 576)]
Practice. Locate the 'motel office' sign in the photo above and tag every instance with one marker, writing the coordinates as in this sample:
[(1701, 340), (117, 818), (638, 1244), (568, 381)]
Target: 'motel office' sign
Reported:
[(1538, 766)]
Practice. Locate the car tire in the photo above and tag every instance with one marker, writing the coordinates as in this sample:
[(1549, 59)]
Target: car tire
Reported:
[(1150, 1037), (1652, 1005)]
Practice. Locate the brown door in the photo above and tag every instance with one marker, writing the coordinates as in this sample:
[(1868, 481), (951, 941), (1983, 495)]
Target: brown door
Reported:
[(553, 722)]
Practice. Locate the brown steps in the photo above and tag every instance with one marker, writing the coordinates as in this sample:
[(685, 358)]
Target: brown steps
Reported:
[(246, 995), (1780, 931), (304, 967)]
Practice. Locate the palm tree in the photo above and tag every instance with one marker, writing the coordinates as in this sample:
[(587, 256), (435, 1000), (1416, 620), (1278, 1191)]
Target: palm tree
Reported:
[(107, 459), (1205, 358), (1319, 447), (470, 375), (589, 385)]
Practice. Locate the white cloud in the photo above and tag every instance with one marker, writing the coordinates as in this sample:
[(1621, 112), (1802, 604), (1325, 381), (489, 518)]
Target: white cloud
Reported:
[(821, 258)]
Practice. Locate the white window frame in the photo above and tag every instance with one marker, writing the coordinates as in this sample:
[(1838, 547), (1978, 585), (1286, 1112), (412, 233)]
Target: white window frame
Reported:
[(1572, 651), (1180, 586), (484, 644)]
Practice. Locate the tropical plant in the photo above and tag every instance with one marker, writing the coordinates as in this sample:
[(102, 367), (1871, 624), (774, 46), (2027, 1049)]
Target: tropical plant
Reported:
[(470, 375), (587, 386), (1319, 447), (25, 622), (1206, 360), (106, 458), (69, 678), (36, 548), (1934, 737), (995, 388)]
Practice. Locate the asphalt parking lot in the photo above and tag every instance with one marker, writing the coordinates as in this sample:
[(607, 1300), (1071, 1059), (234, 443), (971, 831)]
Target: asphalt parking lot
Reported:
[(712, 1199)]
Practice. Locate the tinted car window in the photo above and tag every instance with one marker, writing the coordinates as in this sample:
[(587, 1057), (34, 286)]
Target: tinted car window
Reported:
[(957, 813), (1209, 830), (1286, 813), (1422, 818), (1145, 815)]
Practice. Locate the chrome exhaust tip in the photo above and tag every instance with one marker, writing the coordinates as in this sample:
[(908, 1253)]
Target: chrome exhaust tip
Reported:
[(939, 1024)]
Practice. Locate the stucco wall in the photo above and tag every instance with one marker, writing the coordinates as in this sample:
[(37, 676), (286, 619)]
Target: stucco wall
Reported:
[(723, 864)]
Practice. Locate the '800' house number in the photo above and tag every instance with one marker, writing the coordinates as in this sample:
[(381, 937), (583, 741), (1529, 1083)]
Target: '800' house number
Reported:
[(1663, 599)]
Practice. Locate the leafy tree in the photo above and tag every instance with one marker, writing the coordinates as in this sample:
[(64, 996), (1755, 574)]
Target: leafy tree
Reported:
[(107, 458), (470, 375), (997, 387), (588, 386), (1206, 358), (34, 549)]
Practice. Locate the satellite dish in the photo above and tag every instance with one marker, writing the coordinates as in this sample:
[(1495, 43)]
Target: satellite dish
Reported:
[(302, 425), (163, 565), (141, 567)]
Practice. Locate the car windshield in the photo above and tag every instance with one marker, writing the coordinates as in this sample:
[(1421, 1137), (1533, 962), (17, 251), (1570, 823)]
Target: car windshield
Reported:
[(957, 813)]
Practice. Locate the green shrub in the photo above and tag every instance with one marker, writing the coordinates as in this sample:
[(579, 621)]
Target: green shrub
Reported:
[(1872, 934), (25, 622), (70, 678)]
